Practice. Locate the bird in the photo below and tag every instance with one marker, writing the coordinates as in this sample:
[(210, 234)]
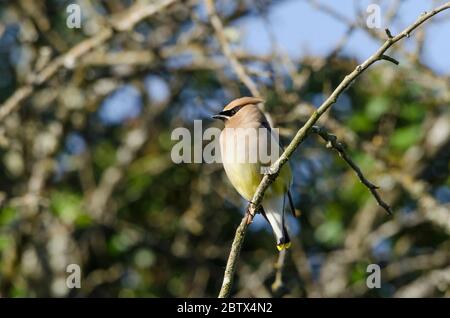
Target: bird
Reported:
[(240, 117)]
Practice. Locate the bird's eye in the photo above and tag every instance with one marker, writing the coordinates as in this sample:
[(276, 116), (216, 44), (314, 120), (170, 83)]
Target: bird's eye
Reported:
[(234, 110)]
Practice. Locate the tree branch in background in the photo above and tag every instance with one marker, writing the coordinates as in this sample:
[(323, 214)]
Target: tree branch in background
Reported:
[(124, 22), (303, 132), (332, 142), (277, 286), (237, 67)]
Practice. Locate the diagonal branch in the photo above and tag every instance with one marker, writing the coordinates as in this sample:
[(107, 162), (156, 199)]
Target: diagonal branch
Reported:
[(332, 142), (237, 67), (227, 283), (301, 135)]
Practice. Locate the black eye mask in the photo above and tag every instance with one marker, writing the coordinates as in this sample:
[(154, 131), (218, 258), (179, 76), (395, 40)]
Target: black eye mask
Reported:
[(231, 112)]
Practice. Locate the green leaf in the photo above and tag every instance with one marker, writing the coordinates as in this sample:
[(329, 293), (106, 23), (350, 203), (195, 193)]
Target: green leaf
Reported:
[(405, 137), (359, 122), (104, 155), (330, 232), (358, 273), (413, 112), (376, 107), (69, 207), (7, 215), (5, 241)]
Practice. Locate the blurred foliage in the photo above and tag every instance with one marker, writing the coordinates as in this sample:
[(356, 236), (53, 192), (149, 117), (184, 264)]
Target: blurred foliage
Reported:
[(142, 226)]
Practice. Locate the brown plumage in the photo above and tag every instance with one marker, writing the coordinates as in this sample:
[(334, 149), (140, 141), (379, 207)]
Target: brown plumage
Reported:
[(246, 175), (243, 101), (248, 117)]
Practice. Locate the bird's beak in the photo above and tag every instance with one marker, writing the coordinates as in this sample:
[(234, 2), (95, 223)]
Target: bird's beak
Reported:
[(220, 116)]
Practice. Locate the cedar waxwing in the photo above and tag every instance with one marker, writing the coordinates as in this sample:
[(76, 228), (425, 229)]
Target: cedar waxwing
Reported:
[(242, 116)]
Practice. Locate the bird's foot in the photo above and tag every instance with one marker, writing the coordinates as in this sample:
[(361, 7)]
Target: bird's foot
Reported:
[(250, 217), (250, 212)]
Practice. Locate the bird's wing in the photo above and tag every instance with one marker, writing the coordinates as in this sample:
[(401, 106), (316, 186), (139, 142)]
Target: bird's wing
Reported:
[(291, 202)]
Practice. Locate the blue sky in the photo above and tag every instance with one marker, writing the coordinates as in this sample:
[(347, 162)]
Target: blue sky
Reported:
[(300, 29)]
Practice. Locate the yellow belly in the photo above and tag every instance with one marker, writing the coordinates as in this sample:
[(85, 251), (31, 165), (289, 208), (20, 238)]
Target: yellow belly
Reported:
[(246, 177)]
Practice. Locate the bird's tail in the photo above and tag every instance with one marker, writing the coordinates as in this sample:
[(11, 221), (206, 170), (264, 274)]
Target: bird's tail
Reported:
[(273, 212), (284, 242)]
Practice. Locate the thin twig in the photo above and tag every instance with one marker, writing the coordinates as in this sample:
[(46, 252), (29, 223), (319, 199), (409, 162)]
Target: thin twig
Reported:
[(301, 135), (390, 59), (235, 64), (332, 142), (388, 33), (278, 284)]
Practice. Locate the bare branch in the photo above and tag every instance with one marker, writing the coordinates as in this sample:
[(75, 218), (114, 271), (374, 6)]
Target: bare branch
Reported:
[(301, 135), (390, 59), (227, 283), (332, 142), (132, 16), (278, 284), (388, 33), (235, 64), (425, 286)]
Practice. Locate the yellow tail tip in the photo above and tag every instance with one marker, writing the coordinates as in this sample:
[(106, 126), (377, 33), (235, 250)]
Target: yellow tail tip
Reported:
[(283, 246)]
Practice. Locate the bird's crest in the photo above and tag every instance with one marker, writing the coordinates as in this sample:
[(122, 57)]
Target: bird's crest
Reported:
[(243, 101)]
